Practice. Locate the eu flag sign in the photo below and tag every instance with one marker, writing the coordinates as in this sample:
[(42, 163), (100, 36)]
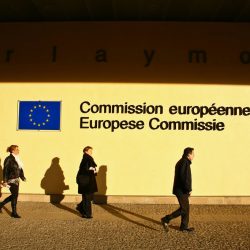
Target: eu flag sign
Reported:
[(39, 115)]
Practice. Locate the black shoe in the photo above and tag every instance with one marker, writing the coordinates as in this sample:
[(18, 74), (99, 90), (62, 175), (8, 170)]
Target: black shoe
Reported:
[(164, 223), (79, 209), (188, 230), (87, 216), (15, 215)]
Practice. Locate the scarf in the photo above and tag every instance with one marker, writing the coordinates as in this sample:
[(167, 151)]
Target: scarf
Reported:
[(18, 160)]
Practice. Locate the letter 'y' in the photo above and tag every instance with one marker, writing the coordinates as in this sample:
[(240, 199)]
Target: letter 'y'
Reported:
[(149, 57)]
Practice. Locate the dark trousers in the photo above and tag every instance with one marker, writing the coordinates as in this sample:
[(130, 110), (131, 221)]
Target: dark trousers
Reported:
[(182, 211), (14, 189), (86, 205)]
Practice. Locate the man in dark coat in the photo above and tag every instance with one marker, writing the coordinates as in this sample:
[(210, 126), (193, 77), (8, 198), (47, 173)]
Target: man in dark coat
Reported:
[(182, 189), (86, 182)]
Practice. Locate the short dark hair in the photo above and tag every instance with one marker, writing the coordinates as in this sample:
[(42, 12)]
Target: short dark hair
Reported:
[(86, 149), (187, 151)]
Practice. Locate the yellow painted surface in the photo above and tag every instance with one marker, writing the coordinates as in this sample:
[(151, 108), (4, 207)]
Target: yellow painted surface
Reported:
[(139, 162), (133, 63)]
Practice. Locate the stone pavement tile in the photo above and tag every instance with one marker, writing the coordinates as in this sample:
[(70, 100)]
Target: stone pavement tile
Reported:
[(123, 226)]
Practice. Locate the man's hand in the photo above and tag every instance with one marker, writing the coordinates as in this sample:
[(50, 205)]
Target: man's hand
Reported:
[(3, 184), (93, 169)]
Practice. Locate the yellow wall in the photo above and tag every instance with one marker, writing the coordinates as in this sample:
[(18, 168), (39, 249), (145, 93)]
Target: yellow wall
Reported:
[(139, 162), (61, 62)]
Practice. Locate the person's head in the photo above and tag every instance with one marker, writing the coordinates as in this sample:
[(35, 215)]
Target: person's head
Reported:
[(188, 153), (13, 149), (88, 150)]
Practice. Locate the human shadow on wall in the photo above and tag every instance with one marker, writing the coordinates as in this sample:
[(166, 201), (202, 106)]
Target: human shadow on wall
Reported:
[(100, 197), (54, 186)]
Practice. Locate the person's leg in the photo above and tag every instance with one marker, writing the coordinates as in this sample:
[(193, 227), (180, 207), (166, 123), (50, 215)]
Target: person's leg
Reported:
[(184, 203), (14, 191), (87, 205), (183, 211), (166, 219), (79, 206), (173, 215), (5, 201)]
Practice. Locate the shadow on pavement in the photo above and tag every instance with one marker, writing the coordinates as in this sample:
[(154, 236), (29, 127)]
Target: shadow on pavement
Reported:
[(68, 209), (7, 211), (174, 227), (116, 211)]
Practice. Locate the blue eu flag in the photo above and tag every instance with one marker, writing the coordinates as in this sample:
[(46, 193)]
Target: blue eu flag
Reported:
[(39, 115)]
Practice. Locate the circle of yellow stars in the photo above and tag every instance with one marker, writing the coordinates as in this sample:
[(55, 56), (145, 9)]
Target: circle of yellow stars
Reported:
[(36, 107)]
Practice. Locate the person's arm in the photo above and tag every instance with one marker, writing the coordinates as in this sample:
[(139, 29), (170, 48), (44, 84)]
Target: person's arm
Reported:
[(6, 168), (22, 175), (84, 166), (92, 165), (185, 174), (87, 166), (188, 183)]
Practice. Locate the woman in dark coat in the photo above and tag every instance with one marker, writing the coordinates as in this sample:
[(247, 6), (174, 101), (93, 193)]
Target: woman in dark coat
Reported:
[(86, 182), (12, 171)]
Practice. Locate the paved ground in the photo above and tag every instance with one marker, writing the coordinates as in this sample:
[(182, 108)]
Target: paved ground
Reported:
[(123, 226)]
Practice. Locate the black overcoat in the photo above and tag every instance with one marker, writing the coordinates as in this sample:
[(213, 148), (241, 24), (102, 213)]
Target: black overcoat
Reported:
[(183, 178), (90, 187)]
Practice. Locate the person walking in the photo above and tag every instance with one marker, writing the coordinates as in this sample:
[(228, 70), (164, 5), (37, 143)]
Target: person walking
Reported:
[(182, 188), (86, 181), (12, 171)]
